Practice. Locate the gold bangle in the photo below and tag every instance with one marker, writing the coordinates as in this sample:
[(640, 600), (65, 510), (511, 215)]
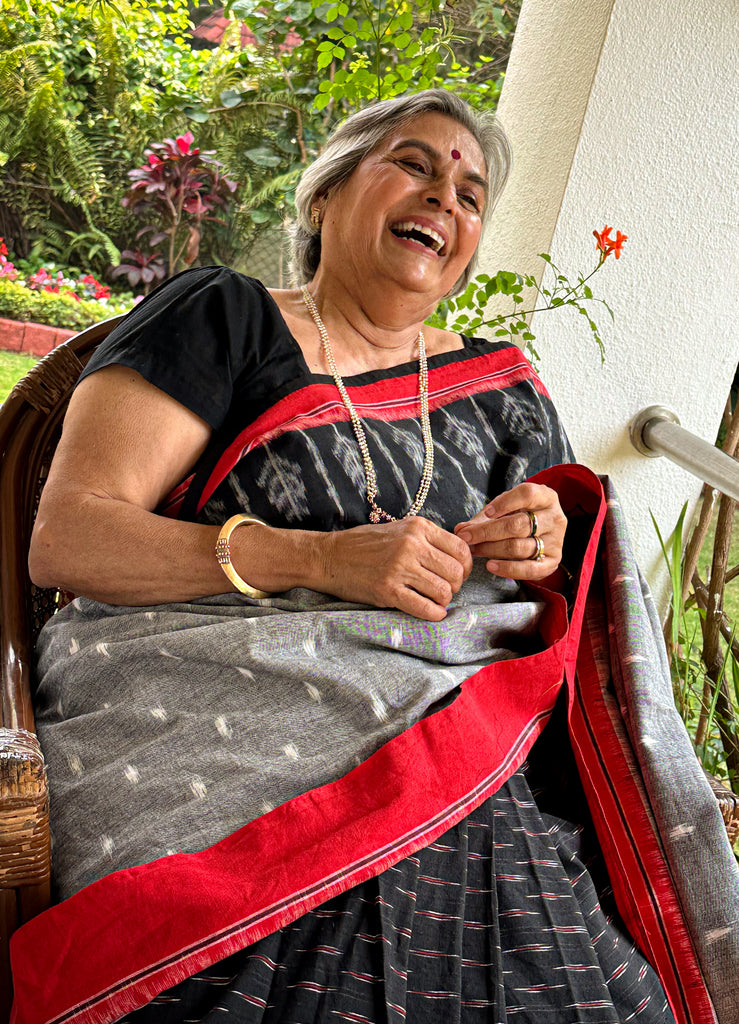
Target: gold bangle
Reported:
[(223, 554)]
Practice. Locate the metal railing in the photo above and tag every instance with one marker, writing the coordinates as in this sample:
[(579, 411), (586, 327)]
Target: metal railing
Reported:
[(656, 431)]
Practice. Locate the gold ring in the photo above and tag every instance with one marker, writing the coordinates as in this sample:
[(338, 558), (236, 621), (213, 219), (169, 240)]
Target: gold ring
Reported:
[(538, 555), (534, 522)]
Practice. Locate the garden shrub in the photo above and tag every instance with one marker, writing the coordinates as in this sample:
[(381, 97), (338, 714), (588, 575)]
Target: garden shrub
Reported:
[(57, 310)]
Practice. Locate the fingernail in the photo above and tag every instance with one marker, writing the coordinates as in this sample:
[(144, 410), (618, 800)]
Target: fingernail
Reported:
[(465, 535), (490, 513), (493, 566)]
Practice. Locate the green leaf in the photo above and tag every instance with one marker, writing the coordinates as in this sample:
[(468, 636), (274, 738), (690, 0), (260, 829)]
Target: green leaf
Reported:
[(196, 114), (545, 256), (401, 41), (324, 59), (231, 98), (263, 157), (260, 216), (243, 8)]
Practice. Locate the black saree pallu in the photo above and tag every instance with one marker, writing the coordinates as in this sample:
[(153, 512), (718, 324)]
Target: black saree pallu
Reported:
[(130, 927)]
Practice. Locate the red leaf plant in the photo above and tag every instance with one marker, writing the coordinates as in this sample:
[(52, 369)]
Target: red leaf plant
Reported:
[(141, 268), (176, 189)]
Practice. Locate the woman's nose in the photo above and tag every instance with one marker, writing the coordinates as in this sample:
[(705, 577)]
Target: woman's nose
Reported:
[(442, 195), (435, 201)]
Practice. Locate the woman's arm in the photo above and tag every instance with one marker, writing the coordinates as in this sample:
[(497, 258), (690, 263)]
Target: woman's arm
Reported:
[(126, 444)]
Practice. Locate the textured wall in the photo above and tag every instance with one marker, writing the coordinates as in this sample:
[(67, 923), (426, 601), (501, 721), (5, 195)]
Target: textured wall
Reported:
[(657, 158), (544, 101)]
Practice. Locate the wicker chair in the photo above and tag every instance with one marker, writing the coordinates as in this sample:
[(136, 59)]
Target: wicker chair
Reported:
[(30, 425)]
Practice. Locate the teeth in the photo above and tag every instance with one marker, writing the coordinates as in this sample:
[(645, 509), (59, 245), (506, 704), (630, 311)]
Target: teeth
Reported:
[(407, 226)]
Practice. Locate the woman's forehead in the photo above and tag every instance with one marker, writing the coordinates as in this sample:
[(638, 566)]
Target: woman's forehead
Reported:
[(440, 136)]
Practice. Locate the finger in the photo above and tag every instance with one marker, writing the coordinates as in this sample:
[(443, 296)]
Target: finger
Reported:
[(524, 496), (516, 525), (446, 548), (420, 607), (519, 550), (526, 569), (442, 567)]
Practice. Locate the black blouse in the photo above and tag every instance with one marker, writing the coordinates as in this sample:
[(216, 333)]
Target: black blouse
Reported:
[(283, 447)]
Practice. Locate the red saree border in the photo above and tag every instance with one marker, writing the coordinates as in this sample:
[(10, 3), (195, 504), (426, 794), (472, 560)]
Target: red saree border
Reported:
[(637, 866), (389, 399), (69, 968), (69, 964)]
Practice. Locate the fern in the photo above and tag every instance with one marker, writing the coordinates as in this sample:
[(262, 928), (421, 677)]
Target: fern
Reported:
[(276, 186)]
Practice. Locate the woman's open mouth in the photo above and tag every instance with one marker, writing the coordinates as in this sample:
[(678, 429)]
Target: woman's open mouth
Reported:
[(416, 232)]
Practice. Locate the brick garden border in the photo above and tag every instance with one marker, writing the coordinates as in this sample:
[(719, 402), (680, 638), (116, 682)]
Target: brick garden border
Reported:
[(33, 339)]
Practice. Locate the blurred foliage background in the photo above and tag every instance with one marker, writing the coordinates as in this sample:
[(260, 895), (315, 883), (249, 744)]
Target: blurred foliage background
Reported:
[(86, 87)]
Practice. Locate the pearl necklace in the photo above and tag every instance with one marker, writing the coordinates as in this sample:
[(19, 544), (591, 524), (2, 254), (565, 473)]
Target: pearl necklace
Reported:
[(377, 514)]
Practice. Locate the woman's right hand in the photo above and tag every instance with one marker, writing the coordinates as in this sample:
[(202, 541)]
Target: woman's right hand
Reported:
[(412, 565)]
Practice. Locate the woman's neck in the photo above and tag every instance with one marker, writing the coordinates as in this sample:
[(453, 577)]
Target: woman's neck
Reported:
[(366, 332)]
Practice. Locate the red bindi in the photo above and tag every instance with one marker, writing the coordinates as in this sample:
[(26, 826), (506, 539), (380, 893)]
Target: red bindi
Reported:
[(456, 155)]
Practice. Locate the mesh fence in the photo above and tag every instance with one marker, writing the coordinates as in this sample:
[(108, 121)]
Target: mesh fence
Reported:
[(268, 259)]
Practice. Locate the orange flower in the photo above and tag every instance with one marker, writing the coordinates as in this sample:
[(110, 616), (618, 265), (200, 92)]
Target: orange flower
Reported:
[(607, 245), (602, 240), (617, 246)]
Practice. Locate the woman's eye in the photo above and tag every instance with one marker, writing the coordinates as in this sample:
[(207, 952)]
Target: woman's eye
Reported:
[(471, 201), (414, 165)]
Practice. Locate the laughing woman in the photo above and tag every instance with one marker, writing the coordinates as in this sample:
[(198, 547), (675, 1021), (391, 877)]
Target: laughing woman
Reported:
[(299, 768)]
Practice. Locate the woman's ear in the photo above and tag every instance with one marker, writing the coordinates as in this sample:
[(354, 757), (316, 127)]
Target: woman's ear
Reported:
[(317, 210)]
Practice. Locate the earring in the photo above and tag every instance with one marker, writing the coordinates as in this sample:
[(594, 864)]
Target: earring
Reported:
[(315, 217)]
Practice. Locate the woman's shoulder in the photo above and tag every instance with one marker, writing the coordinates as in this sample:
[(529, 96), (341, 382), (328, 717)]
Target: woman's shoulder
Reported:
[(194, 336), (205, 282)]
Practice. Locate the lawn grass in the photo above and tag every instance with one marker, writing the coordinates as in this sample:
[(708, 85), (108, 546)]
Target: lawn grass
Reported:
[(13, 366)]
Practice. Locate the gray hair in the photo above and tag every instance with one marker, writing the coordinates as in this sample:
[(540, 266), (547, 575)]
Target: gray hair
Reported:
[(362, 133)]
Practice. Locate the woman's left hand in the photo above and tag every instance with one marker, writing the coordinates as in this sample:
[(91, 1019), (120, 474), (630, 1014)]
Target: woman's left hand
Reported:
[(503, 532)]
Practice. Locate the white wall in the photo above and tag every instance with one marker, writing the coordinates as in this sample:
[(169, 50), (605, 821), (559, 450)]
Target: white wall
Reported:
[(657, 157)]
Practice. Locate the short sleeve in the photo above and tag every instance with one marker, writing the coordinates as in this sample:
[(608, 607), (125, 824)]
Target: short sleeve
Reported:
[(193, 337)]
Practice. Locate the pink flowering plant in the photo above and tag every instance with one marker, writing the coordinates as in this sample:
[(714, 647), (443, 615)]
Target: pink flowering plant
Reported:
[(7, 269), (49, 295), (78, 286), (466, 312), (175, 191)]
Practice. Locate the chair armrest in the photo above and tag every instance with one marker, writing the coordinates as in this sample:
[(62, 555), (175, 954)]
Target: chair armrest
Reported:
[(25, 849), (728, 803)]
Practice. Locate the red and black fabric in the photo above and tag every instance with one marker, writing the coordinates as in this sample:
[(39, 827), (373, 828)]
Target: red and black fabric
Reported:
[(462, 791)]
